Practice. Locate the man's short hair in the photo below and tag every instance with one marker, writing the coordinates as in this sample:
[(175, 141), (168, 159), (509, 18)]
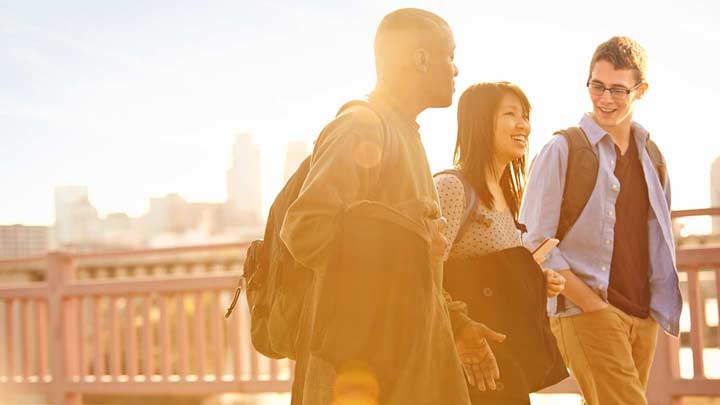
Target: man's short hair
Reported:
[(622, 53), (402, 27)]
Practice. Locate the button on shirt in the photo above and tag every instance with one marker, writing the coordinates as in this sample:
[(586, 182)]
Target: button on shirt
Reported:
[(587, 248)]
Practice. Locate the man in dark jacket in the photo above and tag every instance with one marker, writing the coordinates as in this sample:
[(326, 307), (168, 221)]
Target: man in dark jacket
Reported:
[(415, 70)]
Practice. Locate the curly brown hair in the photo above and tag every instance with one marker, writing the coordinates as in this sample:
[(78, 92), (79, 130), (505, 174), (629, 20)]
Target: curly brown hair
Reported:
[(622, 53)]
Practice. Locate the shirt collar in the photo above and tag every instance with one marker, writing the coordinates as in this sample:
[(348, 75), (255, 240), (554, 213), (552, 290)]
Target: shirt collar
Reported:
[(640, 133), (595, 133)]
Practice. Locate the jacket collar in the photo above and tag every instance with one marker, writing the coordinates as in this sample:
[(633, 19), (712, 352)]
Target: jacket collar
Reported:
[(386, 103)]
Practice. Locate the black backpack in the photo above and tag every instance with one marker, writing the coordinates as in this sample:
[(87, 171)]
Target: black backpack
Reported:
[(275, 283), (581, 176)]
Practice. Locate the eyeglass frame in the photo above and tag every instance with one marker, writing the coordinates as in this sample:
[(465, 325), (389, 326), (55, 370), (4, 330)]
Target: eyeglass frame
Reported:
[(622, 96)]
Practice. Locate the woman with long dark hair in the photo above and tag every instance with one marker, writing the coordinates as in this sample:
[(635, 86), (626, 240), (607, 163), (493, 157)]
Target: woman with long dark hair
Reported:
[(486, 265)]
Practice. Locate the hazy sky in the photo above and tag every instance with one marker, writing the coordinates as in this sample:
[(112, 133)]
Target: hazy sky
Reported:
[(137, 99)]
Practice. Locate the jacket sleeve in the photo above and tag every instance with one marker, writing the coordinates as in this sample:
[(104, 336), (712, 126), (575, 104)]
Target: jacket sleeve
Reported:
[(458, 314), (540, 210), (345, 163)]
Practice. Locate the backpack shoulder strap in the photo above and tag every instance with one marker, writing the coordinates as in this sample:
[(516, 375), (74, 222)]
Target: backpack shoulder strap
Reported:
[(580, 179), (471, 201), (389, 151), (657, 160)]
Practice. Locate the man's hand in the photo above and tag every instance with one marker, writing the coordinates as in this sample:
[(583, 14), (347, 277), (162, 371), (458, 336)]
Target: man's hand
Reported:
[(476, 355), (580, 294), (555, 282)]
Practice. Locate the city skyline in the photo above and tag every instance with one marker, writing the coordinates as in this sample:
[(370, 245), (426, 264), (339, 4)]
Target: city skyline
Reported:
[(122, 101), (66, 195)]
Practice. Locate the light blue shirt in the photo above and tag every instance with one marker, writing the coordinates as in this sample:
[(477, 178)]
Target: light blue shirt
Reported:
[(587, 248)]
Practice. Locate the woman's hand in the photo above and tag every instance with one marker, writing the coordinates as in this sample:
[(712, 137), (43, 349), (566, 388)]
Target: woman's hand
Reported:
[(555, 282)]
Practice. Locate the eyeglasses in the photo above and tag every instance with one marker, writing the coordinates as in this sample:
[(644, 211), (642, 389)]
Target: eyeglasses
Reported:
[(617, 93)]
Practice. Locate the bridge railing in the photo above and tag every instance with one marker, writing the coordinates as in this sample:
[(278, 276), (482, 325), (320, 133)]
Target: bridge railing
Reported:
[(142, 333), (151, 322)]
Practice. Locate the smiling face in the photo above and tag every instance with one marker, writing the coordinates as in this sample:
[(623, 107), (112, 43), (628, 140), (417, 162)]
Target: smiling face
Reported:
[(609, 112), (512, 129), (492, 140)]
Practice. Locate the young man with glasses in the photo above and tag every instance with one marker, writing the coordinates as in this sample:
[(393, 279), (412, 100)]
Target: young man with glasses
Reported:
[(618, 256)]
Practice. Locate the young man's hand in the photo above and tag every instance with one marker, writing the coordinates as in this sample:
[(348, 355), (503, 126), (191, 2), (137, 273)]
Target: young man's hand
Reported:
[(555, 282), (579, 293), (477, 357)]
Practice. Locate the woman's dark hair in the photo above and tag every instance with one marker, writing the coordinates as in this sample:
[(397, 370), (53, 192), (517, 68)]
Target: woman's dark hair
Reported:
[(474, 149)]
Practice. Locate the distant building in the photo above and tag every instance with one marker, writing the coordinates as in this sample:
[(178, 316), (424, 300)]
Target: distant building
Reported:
[(203, 223), (122, 232), (207, 217), (168, 214), (170, 219), (76, 219), (22, 240), (715, 192), (117, 223), (244, 192), (297, 151), (65, 199), (173, 215)]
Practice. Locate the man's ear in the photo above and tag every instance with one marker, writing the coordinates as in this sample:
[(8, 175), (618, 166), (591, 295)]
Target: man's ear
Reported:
[(641, 90), (421, 60)]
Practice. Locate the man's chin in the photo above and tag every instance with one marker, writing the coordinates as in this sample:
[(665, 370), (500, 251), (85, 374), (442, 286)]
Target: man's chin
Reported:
[(442, 104), (606, 122)]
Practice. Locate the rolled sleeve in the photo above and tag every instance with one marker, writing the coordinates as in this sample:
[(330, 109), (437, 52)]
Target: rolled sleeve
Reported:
[(555, 260)]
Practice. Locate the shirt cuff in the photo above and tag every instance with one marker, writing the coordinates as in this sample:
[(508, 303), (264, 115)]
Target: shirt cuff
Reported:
[(555, 261)]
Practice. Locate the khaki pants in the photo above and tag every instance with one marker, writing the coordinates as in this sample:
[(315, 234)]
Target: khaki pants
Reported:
[(609, 352)]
